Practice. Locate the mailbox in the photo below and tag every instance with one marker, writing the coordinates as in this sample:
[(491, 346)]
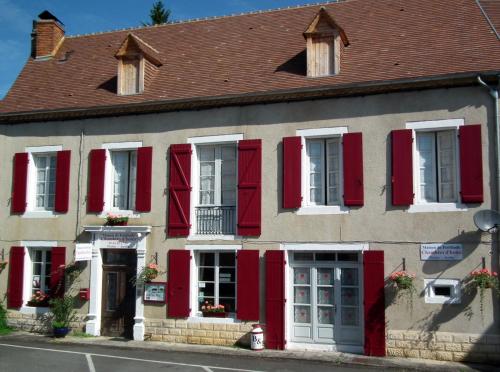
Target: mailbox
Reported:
[(85, 294)]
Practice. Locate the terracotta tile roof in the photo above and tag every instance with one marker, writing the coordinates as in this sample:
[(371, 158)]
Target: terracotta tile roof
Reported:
[(491, 9), (265, 52)]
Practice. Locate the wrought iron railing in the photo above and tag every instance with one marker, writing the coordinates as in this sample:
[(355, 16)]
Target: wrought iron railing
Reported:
[(215, 220)]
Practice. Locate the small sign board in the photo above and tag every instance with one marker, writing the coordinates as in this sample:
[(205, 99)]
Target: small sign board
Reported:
[(83, 252), (155, 292), (441, 252), (118, 240)]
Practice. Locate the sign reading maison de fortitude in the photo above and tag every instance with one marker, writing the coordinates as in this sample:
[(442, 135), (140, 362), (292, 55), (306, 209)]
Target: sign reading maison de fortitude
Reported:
[(441, 252)]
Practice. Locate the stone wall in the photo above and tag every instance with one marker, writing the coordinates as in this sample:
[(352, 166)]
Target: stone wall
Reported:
[(447, 346), (190, 332), (39, 323)]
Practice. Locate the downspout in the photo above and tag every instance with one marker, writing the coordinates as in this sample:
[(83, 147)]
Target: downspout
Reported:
[(494, 94)]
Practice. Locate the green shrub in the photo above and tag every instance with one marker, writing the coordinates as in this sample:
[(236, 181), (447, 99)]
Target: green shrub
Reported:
[(3, 317), (63, 311)]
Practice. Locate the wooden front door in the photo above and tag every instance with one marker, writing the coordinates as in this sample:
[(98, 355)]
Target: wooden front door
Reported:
[(118, 295)]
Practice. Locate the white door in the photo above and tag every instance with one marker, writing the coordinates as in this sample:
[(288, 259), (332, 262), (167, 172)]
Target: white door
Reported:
[(325, 298)]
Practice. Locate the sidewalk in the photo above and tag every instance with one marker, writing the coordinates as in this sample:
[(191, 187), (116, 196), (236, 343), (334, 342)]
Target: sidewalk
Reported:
[(345, 359)]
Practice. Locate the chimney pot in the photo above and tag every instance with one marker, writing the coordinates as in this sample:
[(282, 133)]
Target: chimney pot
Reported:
[(46, 37)]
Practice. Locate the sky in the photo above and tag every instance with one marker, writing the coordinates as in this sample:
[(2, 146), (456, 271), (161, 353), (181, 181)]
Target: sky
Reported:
[(83, 17)]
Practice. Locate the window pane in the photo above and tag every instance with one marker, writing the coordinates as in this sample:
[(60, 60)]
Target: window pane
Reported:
[(302, 295), (302, 314), (133, 180), (206, 274), (349, 276), (229, 304), (349, 316), (227, 290), (325, 315), (325, 256), (325, 276), (207, 153), (348, 257), (206, 289), (303, 256), (301, 275), (316, 171), (227, 275), (446, 161), (325, 295), (120, 163), (227, 259), (207, 259), (349, 296), (427, 161)]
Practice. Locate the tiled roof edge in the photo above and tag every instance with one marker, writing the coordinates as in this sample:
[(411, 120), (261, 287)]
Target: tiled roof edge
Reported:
[(300, 94), (193, 20), (478, 2)]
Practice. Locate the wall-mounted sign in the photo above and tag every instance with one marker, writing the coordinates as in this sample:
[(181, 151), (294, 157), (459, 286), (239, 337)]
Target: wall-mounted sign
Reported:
[(118, 240), (155, 292), (83, 252), (441, 252)]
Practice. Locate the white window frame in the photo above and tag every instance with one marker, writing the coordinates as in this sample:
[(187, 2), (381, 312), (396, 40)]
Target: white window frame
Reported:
[(196, 316), (195, 181), (432, 298), (31, 210), (28, 274), (108, 178), (319, 133), (419, 205)]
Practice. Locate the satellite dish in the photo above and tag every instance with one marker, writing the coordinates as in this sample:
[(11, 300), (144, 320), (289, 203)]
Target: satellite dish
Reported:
[(487, 220)]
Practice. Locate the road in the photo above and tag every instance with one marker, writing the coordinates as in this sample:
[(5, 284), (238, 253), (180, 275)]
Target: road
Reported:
[(42, 355)]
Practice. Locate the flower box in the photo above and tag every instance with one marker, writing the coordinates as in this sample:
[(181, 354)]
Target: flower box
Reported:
[(214, 314)]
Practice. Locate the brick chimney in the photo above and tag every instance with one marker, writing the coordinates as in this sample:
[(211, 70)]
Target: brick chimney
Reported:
[(47, 34)]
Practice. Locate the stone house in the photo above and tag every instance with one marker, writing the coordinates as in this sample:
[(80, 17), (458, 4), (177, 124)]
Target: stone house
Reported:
[(281, 164)]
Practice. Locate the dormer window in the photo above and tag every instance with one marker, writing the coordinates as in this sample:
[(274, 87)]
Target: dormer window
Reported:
[(138, 62), (325, 39)]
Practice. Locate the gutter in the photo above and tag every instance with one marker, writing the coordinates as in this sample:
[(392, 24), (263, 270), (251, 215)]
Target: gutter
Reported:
[(278, 96)]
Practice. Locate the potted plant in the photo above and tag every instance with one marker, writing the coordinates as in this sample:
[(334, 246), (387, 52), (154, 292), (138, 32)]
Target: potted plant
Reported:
[(63, 314), (39, 299), (150, 272), (484, 279), (213, 311), (116, 220)]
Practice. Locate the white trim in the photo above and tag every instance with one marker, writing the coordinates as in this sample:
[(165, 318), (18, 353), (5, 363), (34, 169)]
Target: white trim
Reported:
[(34, 310), (455, 291), (355, 349), (118, 229), (43, 149), (199, 319), (39, 214), (437, 207), (121, 145), (322, 209), (208, 247), (435, 124), (215, 139), (212, 237), (325, 247), (319, 132)]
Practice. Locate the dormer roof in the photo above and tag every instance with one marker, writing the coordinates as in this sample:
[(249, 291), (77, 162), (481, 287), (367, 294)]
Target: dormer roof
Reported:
[(323, 24), (133, 46)]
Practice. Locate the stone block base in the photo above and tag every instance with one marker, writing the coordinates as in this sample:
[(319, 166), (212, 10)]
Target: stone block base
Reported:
[(193, 332), (39, 323), (446, 346)]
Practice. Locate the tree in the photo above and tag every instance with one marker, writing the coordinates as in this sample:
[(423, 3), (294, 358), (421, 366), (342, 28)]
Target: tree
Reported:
[(158, 14)]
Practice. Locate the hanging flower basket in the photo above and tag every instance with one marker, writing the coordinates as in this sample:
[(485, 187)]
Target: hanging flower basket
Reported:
[(148, 274), (116, 220), (484, 279), (403, 280)]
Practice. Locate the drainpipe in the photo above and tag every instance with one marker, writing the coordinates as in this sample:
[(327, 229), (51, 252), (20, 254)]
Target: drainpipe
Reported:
[(494, 94)]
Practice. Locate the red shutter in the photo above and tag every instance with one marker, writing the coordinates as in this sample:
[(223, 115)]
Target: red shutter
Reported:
[(352, 144), (178, 283), (249, 187), (19, 183), (471, 164), (143, 179), (374, 302), (402, 167), (57, 266), (248, 285), (180, 190), (62, 181), (16, 270), (275, 300), (292, 149), (97, 166)]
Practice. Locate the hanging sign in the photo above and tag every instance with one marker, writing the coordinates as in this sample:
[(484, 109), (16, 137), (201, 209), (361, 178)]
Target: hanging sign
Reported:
[(441, 252), (83, 252)]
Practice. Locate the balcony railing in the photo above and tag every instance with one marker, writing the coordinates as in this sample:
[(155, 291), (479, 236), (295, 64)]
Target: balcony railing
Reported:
[(215, 220)]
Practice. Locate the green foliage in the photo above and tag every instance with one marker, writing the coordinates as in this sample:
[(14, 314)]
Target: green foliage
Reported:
[(63, 311), (4, 328), (158, 14)]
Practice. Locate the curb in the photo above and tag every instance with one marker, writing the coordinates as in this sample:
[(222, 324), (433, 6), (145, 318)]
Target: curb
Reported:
[(336, 358)]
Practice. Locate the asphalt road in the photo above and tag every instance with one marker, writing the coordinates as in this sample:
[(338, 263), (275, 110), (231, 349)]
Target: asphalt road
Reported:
[(41, 355)]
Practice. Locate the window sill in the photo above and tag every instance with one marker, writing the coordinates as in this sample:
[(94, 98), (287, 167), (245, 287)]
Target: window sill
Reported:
[(437, 207), (34, 310), (213, 237), (231, 319), (39, 214), (327, 209), (442, 300), (129, 214)]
